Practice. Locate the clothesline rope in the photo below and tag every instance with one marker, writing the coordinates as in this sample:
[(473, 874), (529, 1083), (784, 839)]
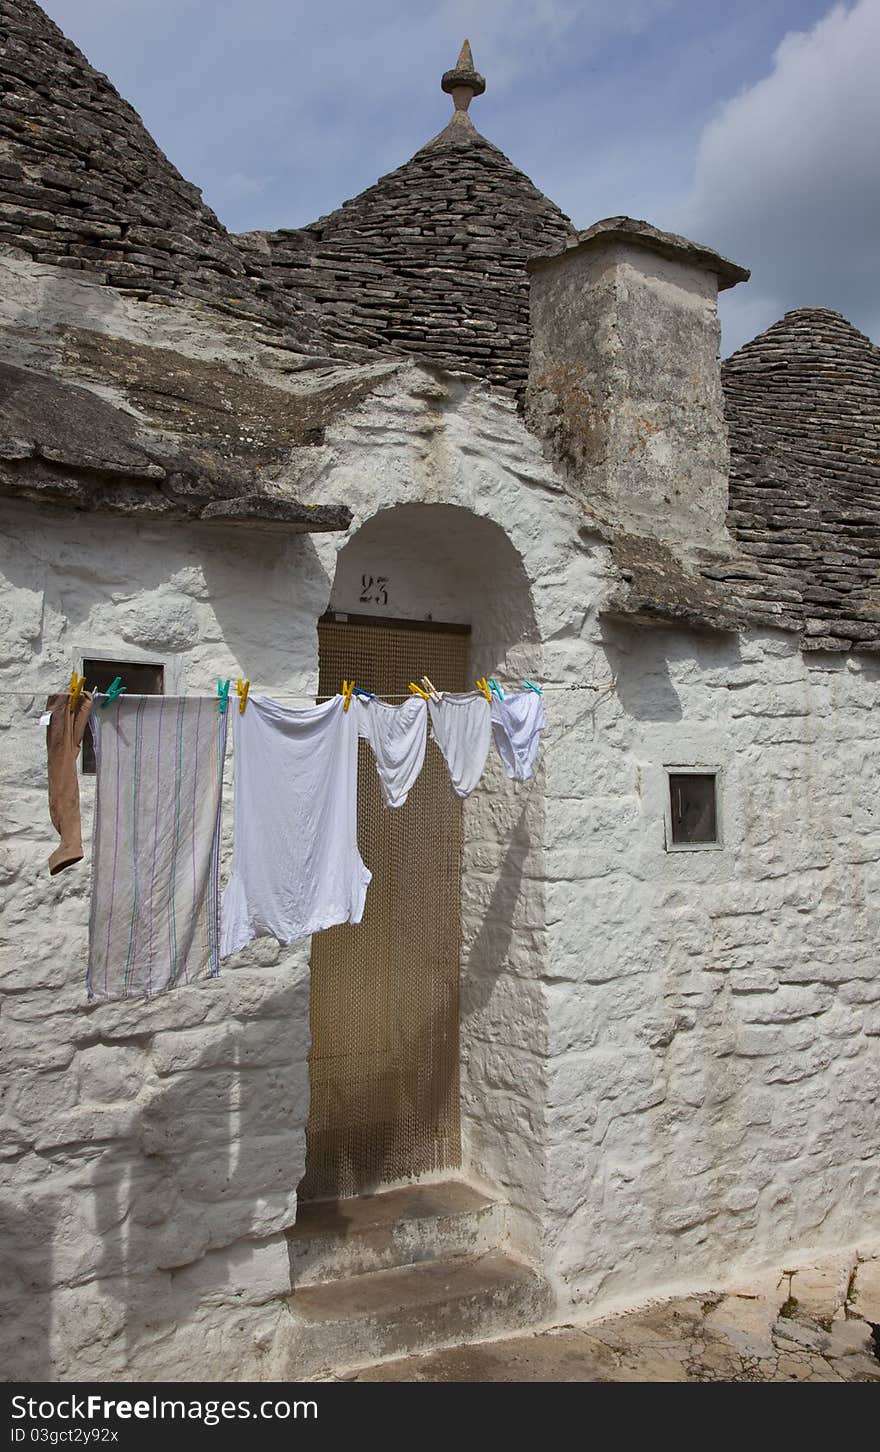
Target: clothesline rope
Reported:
[(313, 700)]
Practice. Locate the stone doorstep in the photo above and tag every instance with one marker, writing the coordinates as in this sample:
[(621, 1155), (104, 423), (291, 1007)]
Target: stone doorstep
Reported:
[(345, 1325), (335, 1240)]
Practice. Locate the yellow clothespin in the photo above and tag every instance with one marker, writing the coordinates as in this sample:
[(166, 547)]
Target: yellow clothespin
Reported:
[(76, 688), (431, 689), (483, 685), (347, 688), (241, 690), (417, 691)]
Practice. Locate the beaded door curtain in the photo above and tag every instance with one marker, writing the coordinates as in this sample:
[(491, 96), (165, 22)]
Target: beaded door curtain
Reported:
[(384, 1061)]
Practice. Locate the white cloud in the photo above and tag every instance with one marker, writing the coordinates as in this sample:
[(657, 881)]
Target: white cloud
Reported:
[(786, 178)]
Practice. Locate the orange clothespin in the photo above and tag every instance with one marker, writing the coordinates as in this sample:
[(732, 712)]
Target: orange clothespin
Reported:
[(347, 688), (76, 688), (431, 689), (417, 691), (241, 690), (483, 685)]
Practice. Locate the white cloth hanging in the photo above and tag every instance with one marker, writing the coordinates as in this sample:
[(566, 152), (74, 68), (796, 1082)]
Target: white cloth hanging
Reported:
[(517, 722), (398, 736), (156, 846), (296, 867), (462, 727)]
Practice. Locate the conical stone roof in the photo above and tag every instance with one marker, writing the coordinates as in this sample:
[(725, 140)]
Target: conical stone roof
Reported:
[(803, 413), (431, 259), (83, 185)]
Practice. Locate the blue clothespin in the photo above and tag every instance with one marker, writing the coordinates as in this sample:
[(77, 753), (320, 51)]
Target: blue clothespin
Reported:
[(494, 686), (114, 691), (530, 686), (367, 695), (223, 695)]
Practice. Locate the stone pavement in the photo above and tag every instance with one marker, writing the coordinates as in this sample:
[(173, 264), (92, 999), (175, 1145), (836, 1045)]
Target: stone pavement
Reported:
[(814, 1324)]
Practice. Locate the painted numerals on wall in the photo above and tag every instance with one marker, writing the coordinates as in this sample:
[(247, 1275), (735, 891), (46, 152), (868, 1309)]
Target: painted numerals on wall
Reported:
[(374, 589)]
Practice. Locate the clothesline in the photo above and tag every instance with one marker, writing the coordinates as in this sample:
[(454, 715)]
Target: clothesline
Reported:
[(156, 916), (312, 700)]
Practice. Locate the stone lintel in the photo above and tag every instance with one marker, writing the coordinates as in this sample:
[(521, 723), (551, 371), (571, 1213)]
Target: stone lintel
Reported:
[(279, 513), (633, 233)]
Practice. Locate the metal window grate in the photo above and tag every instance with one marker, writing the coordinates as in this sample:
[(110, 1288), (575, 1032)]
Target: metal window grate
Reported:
[(384, 1062)]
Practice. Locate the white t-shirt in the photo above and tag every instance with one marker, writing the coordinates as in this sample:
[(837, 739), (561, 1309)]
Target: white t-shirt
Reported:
[(517, 722), (296, 867), (462, 727), (398, 736)]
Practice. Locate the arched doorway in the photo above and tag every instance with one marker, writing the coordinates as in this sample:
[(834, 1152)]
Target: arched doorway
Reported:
[(419, 590)]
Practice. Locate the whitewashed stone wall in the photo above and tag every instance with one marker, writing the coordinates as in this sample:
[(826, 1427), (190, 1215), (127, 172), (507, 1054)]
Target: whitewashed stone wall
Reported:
[(712, 1015), (152, 1149), (667, 1056), (503, 554), (668, 1059)]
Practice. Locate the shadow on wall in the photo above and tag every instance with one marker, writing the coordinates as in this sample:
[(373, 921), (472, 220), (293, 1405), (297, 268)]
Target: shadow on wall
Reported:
[(293, 589), (27, 1233), (203, 594), (191, 1208), (170, 1208), (441, 563), (640, 660), (488, 953)]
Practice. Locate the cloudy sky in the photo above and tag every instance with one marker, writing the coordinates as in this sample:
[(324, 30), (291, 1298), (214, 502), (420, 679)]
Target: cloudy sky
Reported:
[(751, 125)]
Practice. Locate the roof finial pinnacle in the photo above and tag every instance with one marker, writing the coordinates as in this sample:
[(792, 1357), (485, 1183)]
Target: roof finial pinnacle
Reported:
[(463, 83)]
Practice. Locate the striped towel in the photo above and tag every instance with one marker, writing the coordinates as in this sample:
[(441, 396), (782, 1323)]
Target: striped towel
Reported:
[(155, 903)]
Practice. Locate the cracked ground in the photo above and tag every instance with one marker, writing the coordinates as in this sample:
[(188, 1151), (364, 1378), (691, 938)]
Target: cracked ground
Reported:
[(817, 1323)]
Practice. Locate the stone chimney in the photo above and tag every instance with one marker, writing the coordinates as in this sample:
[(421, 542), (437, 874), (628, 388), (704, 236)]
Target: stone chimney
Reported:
[(624, 379)]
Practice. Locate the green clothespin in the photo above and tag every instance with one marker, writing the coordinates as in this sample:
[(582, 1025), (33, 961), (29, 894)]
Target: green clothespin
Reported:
[(494, 686), (223, 695), (114, 691), (530, 686)]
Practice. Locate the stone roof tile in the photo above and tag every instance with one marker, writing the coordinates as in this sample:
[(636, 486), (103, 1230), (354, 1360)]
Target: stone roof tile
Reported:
[(803, 412), (182, 454), (429, 261), (83, 185)]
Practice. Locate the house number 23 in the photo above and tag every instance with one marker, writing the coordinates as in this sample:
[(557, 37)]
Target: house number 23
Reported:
[(374, 590)]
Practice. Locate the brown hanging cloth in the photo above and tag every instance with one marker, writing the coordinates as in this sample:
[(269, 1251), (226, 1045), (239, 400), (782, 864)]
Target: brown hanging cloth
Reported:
[(64, 735)]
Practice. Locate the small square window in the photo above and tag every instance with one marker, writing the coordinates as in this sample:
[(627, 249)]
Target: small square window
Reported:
[(140, 679), (693, 809)]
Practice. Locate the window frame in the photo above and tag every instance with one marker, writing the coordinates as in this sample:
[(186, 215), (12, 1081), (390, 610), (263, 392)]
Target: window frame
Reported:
[(690, 768), (133, 658)]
